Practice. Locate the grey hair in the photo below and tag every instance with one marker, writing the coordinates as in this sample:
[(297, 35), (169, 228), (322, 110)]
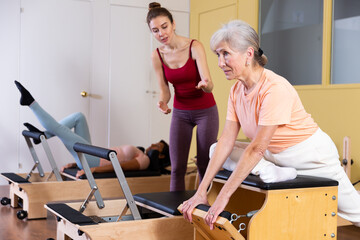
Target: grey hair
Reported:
[(239, 35)]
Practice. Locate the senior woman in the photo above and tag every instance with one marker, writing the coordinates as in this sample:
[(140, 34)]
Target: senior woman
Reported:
[(271, 114)]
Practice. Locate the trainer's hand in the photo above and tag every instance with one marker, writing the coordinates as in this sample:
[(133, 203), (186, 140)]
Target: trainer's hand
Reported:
[(204, 85), (163, 107)]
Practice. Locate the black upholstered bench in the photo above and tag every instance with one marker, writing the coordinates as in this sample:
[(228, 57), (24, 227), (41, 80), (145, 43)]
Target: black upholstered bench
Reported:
[(13, 177), (300, 181), (141, 173), (305, 206), (152, 170), (70, 214), (165, 203)]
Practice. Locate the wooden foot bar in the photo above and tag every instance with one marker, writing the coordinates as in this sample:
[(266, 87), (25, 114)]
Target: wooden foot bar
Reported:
[(223, 229)]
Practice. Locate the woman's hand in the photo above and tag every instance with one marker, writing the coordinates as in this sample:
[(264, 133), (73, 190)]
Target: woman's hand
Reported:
[(163, 107), (189, 205), (69, 165), (82, 172), (214, 211), (204, 85)]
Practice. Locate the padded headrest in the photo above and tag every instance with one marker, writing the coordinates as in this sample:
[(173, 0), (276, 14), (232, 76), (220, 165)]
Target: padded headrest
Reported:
[(141, 148), (154, 159)]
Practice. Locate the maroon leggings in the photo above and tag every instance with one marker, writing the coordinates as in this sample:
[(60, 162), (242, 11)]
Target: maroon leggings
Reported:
[(182, 124)]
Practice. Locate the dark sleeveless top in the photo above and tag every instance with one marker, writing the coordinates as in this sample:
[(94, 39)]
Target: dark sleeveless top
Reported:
[(184, 80)]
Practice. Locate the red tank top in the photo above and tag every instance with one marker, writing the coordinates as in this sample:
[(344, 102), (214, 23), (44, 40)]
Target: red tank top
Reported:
[(184, 80)]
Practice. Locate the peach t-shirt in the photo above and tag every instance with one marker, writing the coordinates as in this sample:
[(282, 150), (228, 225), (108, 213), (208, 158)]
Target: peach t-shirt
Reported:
[(273, 101)]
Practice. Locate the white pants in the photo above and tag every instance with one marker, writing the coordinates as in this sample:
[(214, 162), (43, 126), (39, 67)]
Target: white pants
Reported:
[(316, 156)]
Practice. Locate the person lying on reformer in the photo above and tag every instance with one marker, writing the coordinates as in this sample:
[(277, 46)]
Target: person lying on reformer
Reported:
[(131, 158)]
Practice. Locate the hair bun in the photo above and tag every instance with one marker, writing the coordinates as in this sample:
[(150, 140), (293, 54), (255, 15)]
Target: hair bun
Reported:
[(154, 5)]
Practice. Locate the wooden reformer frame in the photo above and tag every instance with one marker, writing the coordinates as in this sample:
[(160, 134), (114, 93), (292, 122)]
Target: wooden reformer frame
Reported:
[(126, 224), (289, 213), (38, 188), (303, 208)]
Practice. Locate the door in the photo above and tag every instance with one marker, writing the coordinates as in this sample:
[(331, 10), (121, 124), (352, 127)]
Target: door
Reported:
[(129, 76), (55, 65), (9, 98), (133, 89)]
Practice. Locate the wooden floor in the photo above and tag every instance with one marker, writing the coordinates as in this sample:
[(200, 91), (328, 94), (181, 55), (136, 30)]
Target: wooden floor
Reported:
[(11, 228)]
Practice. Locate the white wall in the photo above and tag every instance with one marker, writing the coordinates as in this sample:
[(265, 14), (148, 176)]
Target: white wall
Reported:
[(9, 71), (56, 47)]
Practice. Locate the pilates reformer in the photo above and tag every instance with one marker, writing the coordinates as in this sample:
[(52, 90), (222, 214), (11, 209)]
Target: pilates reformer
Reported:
[(31, 191), (113, 219), (18, 180), (303, 208)]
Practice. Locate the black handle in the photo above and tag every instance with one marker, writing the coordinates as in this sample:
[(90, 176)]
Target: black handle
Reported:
[(205, 208), (93, 150), (34, 135)]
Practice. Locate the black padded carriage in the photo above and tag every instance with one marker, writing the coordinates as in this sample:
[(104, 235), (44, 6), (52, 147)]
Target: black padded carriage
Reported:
[(164, 201), (154, 169)]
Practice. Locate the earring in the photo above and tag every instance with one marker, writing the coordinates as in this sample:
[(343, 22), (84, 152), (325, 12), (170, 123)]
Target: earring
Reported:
[(247, 63)]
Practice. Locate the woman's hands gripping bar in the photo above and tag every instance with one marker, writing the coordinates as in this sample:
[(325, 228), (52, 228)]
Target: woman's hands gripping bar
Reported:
[(93, 150)]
